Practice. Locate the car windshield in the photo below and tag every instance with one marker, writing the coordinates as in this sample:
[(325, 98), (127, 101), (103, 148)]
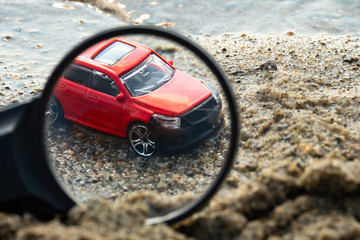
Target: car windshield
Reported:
[(151, 74)]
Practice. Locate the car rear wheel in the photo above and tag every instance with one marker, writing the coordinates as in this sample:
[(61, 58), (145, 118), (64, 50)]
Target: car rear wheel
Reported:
[(54, 112), (143, 140)]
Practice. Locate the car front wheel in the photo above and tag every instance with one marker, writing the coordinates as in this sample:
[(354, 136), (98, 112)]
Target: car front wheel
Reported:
[(143, 140)]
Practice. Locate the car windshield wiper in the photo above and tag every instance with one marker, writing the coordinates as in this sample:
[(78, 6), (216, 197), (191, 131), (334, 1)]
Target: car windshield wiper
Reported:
[(144, 90), (163, 80)]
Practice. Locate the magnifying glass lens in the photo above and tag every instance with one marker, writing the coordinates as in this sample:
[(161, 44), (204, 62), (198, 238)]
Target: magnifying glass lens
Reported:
[(138, 115)]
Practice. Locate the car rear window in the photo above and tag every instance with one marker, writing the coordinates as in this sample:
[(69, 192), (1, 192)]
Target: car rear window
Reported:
[(114, 53)]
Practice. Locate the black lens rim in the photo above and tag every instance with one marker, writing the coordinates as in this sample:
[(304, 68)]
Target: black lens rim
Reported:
[(187, 210)]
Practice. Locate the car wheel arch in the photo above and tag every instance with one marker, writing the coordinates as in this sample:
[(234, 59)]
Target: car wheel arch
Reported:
[(134, 122)]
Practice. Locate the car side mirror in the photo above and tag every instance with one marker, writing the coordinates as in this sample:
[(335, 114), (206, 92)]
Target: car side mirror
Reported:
[(171, 62), (120, 97)]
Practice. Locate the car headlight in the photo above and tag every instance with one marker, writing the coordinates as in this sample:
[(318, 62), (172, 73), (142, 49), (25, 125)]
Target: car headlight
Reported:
[(167, 121), (214, 92)]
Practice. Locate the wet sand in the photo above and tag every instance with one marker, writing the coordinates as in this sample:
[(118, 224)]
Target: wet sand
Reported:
[(296, 175)]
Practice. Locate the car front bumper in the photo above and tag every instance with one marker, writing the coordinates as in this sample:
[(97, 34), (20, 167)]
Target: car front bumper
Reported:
[(198, 125)]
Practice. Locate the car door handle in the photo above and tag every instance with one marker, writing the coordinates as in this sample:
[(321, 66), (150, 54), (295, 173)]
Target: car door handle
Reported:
[(93, 97), (61, 86)]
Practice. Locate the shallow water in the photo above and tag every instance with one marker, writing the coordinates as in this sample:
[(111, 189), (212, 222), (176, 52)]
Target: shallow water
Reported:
[(271, 16), (34, 36)]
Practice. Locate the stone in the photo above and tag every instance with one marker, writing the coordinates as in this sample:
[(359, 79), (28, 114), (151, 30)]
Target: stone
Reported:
[(80, 135), (350, 59), (269, 65)]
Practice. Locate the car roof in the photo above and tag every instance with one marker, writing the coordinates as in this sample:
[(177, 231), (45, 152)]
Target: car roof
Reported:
[(125, 64)]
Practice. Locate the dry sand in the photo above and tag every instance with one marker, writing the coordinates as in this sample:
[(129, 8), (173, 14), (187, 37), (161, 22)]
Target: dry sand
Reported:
[(296, 175)]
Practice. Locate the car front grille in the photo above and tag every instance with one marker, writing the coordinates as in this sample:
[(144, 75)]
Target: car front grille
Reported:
[(200, 112)]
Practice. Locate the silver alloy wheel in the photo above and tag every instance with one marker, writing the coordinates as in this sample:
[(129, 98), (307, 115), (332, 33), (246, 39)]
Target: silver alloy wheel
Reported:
[(142, 140), (52, 111)]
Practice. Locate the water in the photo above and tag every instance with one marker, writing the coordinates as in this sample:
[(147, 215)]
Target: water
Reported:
[(213, 17), (35, 34)]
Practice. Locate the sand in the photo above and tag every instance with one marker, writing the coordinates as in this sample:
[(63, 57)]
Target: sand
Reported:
[(296, 174)]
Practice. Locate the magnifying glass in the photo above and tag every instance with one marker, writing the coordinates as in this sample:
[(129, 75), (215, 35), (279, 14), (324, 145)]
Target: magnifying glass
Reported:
[(132, 110)]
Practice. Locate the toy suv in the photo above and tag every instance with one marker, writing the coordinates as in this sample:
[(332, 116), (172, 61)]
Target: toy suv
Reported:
[(121, 87)]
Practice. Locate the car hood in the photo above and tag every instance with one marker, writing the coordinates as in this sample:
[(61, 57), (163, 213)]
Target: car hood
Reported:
[(177, 96)]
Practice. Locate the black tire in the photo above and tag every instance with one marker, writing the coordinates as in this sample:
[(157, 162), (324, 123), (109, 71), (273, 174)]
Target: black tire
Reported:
[(143, 140), (54, 111)]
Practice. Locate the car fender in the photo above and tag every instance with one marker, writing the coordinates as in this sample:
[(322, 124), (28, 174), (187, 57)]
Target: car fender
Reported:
[(134, 113)]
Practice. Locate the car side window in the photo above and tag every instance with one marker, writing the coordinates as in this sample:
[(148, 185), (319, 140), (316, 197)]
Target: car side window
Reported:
[(78, 74), (103, 83)]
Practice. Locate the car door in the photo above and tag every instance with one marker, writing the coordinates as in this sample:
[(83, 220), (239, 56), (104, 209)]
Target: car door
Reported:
[(105, 113), (71, 90)]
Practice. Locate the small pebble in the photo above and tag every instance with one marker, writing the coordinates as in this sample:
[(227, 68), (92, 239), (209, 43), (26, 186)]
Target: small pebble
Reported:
[(269, 65), (80, 135), (350, 59), (290, 33), (64, 145), (7, 38)]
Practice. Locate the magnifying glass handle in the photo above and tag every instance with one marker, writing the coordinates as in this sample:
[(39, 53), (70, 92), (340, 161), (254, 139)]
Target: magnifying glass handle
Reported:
[(26, 183)]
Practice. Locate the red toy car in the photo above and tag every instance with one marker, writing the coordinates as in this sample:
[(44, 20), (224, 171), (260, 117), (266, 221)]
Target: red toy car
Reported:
[(123, 88)]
